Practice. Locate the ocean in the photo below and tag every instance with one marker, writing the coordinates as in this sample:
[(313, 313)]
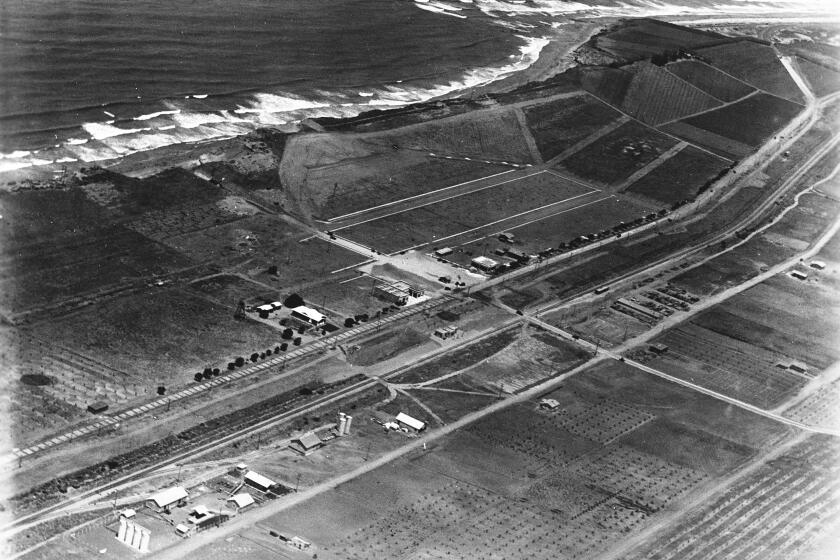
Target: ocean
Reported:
[(88, 80)]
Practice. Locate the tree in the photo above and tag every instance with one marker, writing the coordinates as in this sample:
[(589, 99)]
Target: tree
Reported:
[(288, 334), (293, 300), (255, 357), (349, 322), (231, 366), (216, 371), (301, 329), (272, 270), (284, 347), (297, 341), (262, 355), (208, 373), (240, 361), (276, 349), (161, 390)]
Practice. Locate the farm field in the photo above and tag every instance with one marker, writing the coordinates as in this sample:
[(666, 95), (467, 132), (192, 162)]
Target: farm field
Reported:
[(456, 215), (680, 177), (718, 362), (710, 79), (756, 64), (820, 408), (568, 484), (655, 96), (559, 124), (335, 174), (749, 121), (252, 245), (617, 155), (644, 38), (154, 339), (777, 512), (601, 214), (58, 245)]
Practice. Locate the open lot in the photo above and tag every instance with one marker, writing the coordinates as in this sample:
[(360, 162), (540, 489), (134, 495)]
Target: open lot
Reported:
[(558, 125), (450, 217), (823, 81), (617, 155), (680, 177), (645, 38)]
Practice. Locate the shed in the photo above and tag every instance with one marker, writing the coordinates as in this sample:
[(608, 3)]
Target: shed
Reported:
[(182, 529), (98, 407), (307, 443), (818, 265), (276, 305), (267, 308), (549, 404), (258, 481), (405, 420), (443, 252), (381, 417), (166, 499), (128, 513), (799, 274), (659, 348), (309, 315), (242, 500)]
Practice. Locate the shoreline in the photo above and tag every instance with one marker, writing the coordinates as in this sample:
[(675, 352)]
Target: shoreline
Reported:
[(554, 58)]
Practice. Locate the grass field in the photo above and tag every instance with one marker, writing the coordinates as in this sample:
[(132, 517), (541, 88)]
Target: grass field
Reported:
[(558, 125), (710, 79), (251, 245), (754, 63), (680, 177), (617, 155), (450, 217)]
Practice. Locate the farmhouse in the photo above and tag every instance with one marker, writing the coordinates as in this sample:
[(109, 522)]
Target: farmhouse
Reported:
[(413, 424), (258, 481), (165, 500), (446, 332), (485, 264), (307, 443), (658, 348), (799, 275), (309, 315), (817, 265), (549, 404)]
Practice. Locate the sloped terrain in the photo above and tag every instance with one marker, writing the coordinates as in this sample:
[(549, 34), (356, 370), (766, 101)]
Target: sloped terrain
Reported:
[(709, 79)]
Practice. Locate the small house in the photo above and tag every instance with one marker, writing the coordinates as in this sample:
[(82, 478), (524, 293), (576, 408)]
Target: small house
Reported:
[(507, 237), (658, 348), (443, 252), (98, 407), (817, 265), (549, 404), (799, 275)]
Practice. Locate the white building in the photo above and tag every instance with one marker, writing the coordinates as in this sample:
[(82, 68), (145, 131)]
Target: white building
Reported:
[(167, 499), (309, 315), (407, 421)]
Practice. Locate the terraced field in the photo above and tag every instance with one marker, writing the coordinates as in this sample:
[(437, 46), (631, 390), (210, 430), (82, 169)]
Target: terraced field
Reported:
[(681, 177), (754, 63), (709, 79), (617, 155), (655, 96), (823, 81), (560, 124)]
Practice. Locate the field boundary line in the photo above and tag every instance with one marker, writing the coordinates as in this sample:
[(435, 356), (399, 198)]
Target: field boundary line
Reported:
[(703, 112), (494, 185), (506, 218), (591, 139), (387, 204), (527, 136), (639, 173)]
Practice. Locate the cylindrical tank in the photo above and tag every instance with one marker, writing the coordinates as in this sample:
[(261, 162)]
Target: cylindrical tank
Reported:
[(144, 540), (347, 425), (342, 423)]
